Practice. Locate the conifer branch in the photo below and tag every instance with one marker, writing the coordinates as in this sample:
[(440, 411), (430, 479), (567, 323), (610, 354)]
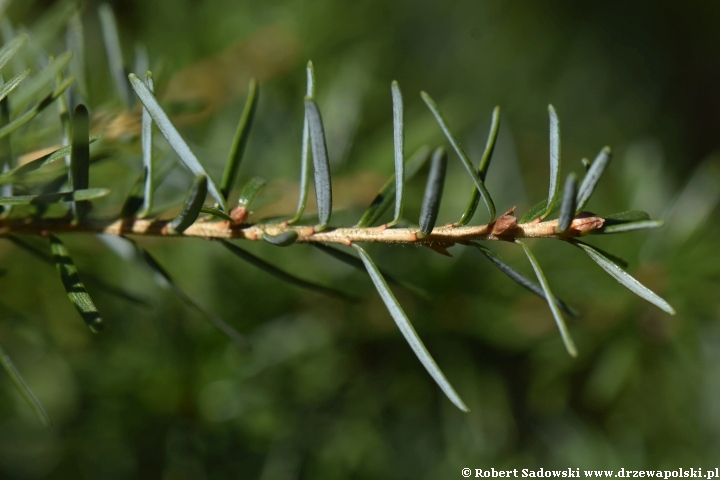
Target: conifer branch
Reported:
[(504, 228)]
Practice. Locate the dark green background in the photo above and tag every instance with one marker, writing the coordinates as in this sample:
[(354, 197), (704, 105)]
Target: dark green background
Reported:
[(330, 389)]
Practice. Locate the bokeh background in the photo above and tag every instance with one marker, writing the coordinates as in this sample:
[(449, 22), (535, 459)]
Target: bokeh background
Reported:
[(330, 389)]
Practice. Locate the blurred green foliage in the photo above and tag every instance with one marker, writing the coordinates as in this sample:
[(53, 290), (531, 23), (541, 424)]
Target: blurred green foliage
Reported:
[(331, 389)]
